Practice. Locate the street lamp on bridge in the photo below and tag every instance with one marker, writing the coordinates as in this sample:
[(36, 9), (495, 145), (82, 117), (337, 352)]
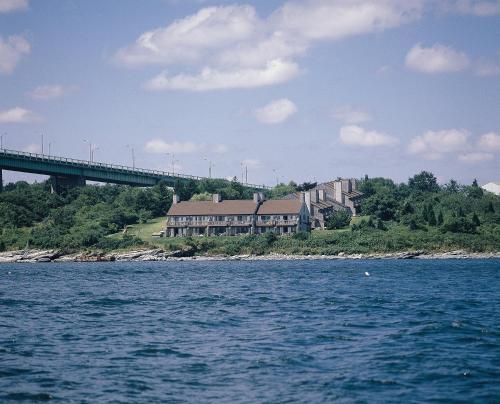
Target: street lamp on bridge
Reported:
[(132, 150), (210, 166), (173, 161)]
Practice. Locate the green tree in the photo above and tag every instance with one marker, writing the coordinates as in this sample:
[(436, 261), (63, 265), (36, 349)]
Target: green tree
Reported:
[(431, 216), (338, 220), (423, 182), (440, 218), (475, 220)]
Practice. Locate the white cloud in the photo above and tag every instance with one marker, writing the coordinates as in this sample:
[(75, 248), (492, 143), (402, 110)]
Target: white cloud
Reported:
[(33, 148), (258, 51), (349, 115), (358, 136), (276, 111), (436, 59), (159, 146), (11, 50), (489, 141), (432, 145), (326, 19), (276, 71), (475, 157), (48, 92), (7, 6), (219, 148), (251, 163), (475, 7), (187, 39), (17, 115), (235, 48)]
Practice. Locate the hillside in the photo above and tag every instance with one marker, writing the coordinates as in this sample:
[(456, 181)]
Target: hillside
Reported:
[(418, 215)]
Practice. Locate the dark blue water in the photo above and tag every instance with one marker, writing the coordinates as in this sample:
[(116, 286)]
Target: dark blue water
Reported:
[(412, 331)]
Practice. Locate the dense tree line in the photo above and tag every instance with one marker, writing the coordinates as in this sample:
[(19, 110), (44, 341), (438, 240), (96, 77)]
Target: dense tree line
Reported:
[(423, 204), (30, 215)]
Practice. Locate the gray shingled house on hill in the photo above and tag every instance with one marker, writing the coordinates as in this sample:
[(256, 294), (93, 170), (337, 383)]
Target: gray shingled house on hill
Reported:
[(330, 197)]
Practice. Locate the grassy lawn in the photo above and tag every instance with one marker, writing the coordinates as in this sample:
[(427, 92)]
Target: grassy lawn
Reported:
[(145, 230)]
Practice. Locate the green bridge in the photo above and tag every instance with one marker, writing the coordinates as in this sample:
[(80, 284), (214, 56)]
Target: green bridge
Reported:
[(70, 172)]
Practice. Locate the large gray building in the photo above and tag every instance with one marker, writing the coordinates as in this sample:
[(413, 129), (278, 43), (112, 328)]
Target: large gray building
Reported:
[(232, 217), (330, 197)]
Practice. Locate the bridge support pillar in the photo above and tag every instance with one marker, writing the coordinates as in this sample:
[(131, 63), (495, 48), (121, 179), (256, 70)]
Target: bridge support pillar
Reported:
[(1, 181), (58, 183)]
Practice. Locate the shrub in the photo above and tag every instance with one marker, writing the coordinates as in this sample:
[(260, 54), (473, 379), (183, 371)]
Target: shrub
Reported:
[(301, 235), (270, 237), (338, 220), (459, 225)]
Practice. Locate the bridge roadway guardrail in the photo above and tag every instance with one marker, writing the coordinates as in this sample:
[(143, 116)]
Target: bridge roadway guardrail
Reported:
[(85, 164)]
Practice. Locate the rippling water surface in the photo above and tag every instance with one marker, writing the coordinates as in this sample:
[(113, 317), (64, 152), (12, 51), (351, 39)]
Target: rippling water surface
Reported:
[(251, 331)]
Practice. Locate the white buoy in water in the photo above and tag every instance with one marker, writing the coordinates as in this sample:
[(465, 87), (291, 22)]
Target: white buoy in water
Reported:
[(367, 273)]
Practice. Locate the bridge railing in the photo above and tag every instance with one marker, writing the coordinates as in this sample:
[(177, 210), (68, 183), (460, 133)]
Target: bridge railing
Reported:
[(91, 164)]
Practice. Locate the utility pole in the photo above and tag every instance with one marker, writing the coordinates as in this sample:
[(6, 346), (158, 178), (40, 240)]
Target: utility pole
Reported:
[(246, 174)]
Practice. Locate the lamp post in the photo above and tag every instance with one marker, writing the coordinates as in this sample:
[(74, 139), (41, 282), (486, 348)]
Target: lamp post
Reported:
[(173, 161), (277, 176), (92, 154), (90, 149), (41, 135), (210, 165), (50, 144), (1, 139), (132, 151)]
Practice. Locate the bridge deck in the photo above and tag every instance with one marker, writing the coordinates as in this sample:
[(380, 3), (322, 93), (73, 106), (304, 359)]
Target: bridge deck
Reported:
[(14, 160)]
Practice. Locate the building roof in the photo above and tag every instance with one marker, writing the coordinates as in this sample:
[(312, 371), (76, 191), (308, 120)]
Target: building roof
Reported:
[(280, 206), (321, 204), (207, 208)]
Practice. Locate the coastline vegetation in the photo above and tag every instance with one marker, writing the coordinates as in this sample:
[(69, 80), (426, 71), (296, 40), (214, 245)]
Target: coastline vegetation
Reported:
[(417, 215)]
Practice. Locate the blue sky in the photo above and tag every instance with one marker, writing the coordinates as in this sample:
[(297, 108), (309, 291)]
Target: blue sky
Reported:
[(302, 90)]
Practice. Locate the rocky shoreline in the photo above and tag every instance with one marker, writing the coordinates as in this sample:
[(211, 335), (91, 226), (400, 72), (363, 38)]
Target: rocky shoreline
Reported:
[(37, 256)]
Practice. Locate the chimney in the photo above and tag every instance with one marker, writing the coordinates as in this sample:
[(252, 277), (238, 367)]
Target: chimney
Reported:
[(338, 191), (176, 199), (354, 184), (321, 194), (257, 197), (305, 197), (314, 195), (346, 185), (216, 198)]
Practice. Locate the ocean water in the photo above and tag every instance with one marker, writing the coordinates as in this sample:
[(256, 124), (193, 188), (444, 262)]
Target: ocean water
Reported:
[(274, 331)]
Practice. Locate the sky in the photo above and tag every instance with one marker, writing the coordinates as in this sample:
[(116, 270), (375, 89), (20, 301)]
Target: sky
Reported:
[(306, 90)]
